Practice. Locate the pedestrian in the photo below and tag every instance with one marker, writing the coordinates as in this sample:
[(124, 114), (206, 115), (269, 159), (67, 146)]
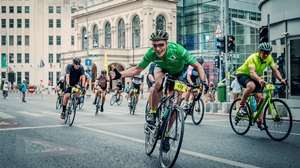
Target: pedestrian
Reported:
[(235, 89), (23, 89), (5, 89)]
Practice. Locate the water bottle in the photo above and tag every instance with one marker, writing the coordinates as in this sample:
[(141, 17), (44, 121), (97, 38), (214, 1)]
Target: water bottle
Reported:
[(253, 103)]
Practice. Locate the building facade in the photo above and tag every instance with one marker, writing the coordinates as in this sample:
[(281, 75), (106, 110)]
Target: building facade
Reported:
[(285, 38), (199, 25), (119, 29), (33, 35)]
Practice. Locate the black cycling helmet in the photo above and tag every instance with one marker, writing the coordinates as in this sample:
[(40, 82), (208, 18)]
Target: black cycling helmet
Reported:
[(159, 35), (265, 47), (200, 60), (76, 61)]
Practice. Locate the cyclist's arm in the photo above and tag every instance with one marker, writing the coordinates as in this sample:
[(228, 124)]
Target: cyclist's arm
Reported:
[(277, 73), (253, 74), (200, 71), (131, 72), (68, 79)]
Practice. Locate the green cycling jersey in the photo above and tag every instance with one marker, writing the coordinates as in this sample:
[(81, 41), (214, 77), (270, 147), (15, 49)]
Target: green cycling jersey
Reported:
[(174, 61), (256, 62)]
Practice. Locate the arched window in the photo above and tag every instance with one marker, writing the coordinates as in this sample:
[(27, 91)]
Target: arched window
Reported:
[(160, 23), (136, 32), (107, 33), (84, 39), (95, 37), (121, 34)]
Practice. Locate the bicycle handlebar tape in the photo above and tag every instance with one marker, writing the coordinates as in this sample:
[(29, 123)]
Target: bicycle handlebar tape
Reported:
[(117, 74)]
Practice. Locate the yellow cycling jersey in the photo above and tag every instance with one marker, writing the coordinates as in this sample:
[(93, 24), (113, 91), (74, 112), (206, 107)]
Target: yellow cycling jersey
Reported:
[(255, 61)]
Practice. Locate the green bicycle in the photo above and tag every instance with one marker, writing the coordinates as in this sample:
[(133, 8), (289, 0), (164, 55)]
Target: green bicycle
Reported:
[(277, 117)]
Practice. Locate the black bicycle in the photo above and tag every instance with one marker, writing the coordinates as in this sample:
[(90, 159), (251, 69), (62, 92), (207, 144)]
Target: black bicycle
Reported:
[(115, 98), (72, 106), (169, 126), (81, 101), (98, 104), (196, 109), (59, 101)]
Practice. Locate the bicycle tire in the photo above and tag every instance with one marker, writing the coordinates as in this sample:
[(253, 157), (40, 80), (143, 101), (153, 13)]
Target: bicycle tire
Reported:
[(288, 118), (97, 105), (73, 112), (58, 103), (201, 111), (119, 102), (179, 118), (113, 100), (81, 103), (235, 119)]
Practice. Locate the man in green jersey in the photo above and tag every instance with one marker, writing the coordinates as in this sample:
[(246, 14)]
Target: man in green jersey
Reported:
[(249, 75), (169, 58)]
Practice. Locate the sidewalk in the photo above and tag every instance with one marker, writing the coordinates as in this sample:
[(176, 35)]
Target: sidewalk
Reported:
[(223, 108)]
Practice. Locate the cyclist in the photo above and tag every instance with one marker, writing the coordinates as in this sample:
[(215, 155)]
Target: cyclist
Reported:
[(119, 89), (60, 86), (191, 76), (74, 78), (5, 89), (136, 82), (249, 76), (100, 89), (170, 58)]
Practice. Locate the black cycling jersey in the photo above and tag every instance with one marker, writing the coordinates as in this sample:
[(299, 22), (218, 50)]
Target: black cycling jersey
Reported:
[(74, 74)]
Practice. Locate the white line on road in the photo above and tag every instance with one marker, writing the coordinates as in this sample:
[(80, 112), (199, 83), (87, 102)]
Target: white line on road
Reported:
[(30, 113), (34, 127), (6, 116), (187, 152)]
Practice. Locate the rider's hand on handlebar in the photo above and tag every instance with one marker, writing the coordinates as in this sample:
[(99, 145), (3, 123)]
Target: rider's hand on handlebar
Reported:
[(115, 74), (262, 82), (283, 81), (205, 87)]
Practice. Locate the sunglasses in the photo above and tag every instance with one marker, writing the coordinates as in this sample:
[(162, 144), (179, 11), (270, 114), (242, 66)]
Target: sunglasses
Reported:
[(158, 45)]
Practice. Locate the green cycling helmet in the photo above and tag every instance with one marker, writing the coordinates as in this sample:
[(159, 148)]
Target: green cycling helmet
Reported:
[(159, 35)]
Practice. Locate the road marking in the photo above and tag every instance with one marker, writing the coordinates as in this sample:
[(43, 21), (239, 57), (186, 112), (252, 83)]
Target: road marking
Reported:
[(30, 113), (112, 123), (187, 152), (6, 116), (34, 127)]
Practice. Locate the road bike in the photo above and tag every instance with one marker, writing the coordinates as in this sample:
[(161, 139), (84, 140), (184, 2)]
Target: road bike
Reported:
[(277, 117), (169, 126), (116, 99), (72, 106), (133, 101), (59, 101)]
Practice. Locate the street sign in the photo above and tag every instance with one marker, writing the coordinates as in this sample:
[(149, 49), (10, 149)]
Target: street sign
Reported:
[(88, 62)]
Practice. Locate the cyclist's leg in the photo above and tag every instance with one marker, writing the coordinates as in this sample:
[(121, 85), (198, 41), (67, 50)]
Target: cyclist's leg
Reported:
[(249, 86), (103, 90), (65, 101)]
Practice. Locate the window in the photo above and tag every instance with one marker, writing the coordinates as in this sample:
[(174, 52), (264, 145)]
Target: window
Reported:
[(121, 34), (58, 57), (50, 58), (11, 40), (72, 23), (19, 40), (50, 23), (27, 23), (50, 9), (95, 37), (58, 9), (50, 78), (11, 23), (27, 40), (27, 9), (19, 23), (27, 58), (107, 35), (72, 40), (3, 40), (58, 23), (3, 23), (50, 40), (11, 9), (58, 40), (19, 77), (19, 9), (160, 23), (19, 58), (136, 32), (11, 58), (3, 60), (3, 9), (27, 77), (84, 38)]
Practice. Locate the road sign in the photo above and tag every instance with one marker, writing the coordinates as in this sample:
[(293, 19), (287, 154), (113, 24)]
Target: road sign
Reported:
[(88, 62)]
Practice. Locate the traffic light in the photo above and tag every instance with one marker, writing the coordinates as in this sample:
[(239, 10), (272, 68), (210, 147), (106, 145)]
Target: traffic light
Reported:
[(221, 44), (217, 61), (263, 34), (230, 43)]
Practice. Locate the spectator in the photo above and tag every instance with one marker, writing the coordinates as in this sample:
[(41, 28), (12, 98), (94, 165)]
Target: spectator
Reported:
[(23, 89)]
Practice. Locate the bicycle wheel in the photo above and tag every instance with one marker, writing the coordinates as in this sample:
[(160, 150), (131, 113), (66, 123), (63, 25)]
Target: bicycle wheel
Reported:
[(81, 99), (147, 110), (278, 121), (239, 124), (73, 112), (119, 102), (97, 105), (172, 137), (58, 103), (113, 100), (198, 112)]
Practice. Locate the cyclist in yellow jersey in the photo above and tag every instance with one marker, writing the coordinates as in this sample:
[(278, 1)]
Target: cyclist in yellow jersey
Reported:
[(249, 75)]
